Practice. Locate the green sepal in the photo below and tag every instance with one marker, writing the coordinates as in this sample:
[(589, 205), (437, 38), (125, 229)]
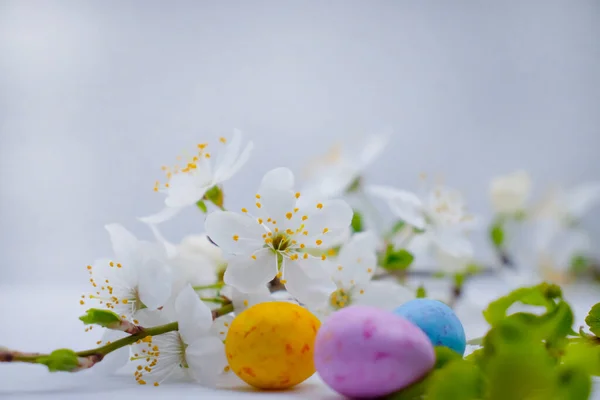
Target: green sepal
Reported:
[(397, 259), (60, 360), (104, 318), (202, 206), (355, 185), (357, 222), (421, 292), (497, 233), (215, 195), (593, 319), (573, 383)]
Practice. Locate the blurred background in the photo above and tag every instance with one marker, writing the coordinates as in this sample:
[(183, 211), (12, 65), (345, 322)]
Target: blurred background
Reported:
[(96, 95)]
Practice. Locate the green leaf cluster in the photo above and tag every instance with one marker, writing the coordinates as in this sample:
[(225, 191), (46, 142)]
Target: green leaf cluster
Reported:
[(396, 259), (60, 360), (524, 355), (104, 318)]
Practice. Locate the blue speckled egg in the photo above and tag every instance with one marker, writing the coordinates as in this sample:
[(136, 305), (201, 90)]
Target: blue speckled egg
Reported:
[(437, 320)]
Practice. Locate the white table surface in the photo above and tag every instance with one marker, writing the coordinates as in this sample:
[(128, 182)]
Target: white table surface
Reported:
[(41, 318)]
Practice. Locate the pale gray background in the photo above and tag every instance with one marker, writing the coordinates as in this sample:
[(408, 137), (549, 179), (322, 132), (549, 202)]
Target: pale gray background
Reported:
[(96, 95)]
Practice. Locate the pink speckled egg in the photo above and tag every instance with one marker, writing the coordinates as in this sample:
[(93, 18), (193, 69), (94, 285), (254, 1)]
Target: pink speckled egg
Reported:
[(365, 352)]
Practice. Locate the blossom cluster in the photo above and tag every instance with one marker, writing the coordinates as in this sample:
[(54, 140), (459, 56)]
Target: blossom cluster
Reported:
[(303, 244)]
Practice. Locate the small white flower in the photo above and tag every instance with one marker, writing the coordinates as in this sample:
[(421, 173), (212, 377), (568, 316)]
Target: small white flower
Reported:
[(138, 277), (352, 272), (274, 238), (440, 213), (192, 351), (335, 172), (510, 193), (570, 206), (188, 182), (198, 261)]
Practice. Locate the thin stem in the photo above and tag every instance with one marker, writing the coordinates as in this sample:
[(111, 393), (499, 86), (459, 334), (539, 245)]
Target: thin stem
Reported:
[(219, 300), (126, 341), (96, 355), (217, 285)]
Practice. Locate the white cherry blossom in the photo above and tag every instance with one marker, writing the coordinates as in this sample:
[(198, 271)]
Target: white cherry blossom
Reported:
[(440, 214), (351, 272), (509, 194), (193, 351), (332, 174), (187, 182), (274, 238), (138, 276)]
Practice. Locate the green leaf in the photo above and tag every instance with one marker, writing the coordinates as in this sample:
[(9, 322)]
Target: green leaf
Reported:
[(215, 196), (100, 317), (202, 206), (552, 327), (459, 380), (583, 354), (397, 259), (357, 222), (573, 383), (60, 360), (516, 364), (593, 319), (421, 292), (443, 355), (497, 233), (543, 294)]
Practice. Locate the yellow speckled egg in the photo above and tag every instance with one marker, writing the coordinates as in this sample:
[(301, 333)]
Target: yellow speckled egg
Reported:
[(270, 345)]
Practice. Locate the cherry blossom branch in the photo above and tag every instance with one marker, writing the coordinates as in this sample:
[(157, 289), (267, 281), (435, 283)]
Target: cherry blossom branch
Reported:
[(70, 361)]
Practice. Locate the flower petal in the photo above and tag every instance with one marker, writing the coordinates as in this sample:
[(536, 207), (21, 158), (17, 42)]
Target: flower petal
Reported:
[(581, 199), (125, 245), (242, 301), (403, 204), (278, 178), (248, 274), (454, 243), (372, 147), (308, 281), (332, 217), (206, 360), (381, 294), (185, 189), (235, 161), (357, 260), (154, 283), (164, 215), (170, 248), (234, 233), (193, 316), (276, 204), (220, 326)]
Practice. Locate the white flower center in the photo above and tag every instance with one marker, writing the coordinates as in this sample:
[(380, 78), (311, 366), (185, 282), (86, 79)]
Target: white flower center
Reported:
[(162, 355)]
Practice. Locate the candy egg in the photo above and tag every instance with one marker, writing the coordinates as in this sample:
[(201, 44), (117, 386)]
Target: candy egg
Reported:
[(366, 352), (271, 345), (437, 320)]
